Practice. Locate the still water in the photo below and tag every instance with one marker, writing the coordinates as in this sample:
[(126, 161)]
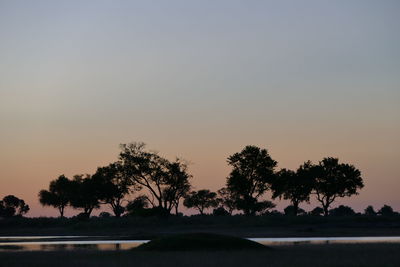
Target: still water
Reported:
[(49, 243)]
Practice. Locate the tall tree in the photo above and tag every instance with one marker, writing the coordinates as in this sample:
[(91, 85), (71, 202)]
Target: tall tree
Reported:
[(13, 206), (166, 181), (201, 200), (295, 186), (58, 195), (113, 185), (252, 172), (84, 194), (333, 180)]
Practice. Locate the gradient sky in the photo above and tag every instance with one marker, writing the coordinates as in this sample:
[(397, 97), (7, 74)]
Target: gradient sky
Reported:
[(199, 80)]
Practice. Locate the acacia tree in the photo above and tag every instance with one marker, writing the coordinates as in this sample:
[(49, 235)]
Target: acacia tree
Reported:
[(295, 186), (201, 200), (13, 206), (166, 181), (333, 180), (84, 194), (112, 185), (58, 195), (252, 173), (225, 200), (179, 186)]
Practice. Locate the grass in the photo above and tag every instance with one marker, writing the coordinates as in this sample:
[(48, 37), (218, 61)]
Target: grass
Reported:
[(383, 254), (199, 242)]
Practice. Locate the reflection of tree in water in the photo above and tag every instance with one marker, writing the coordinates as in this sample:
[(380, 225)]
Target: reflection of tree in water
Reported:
[(85, 246), (54, 247), (11, 247)]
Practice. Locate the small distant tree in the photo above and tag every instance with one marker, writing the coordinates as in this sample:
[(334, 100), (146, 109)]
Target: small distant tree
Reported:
[(201, 200), (335, 180), (342, 211), (84, 194), (13, 206), (369, 211), (386, 210), (251, 175), (58, 195), (226, 200), (318, 211), (295, 186)]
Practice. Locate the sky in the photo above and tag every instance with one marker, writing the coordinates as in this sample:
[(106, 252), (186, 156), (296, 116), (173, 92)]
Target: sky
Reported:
[(199, 80)]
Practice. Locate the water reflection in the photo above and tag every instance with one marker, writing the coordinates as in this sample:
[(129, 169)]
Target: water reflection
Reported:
[(45, 243), (70, 245)]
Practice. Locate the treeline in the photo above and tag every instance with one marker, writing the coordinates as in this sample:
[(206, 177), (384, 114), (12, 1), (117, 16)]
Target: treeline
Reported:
[(160, 186)]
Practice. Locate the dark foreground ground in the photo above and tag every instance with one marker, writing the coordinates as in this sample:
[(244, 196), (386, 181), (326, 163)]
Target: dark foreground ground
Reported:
[(242, 226), (296, 255)]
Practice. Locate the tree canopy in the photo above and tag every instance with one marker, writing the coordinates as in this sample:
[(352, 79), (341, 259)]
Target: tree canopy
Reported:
[(201, 200), (13, 206), (251, 175), (166, 181), (58, 195), (333, 180), (295, 186), (112, 185)]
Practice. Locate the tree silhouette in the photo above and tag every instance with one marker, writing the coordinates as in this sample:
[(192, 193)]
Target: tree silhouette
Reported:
[(369, 211), (220, 211), (252, 172), (13, 206), (166, 181), (225, 200), (84, 194), (112, 185), (335, 180), (178, 184), (386, 210), (294, 186), (342, 211), (317, 211), (294, 211), (138, 205), (58, 195), (201, 200)]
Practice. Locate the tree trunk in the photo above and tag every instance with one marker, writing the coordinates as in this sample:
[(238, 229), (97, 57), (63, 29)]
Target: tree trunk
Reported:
[(326, 211), (296, 207), (176, 209), (61, 210)]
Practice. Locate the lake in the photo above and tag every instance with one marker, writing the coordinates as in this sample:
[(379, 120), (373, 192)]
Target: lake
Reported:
[(51, 243)]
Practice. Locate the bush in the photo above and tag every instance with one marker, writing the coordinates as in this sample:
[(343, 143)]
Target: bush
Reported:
[(386, 211), (342, 211), (220, 211), (290, 210), (318, 211)]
